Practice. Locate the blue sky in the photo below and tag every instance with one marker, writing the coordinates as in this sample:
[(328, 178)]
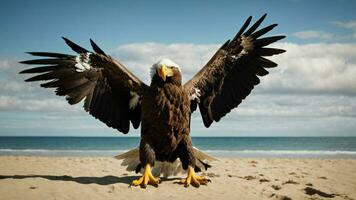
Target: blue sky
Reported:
[(38, 24), (311, 93)]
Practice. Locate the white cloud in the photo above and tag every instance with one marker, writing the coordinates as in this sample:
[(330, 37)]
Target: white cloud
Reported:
[(312, 68), (297, 106), (351, 24), (12, 83), (4, 64), (315, 69), (12, 103), (139, 57), (312, 34), (12, 86), (313, 88)]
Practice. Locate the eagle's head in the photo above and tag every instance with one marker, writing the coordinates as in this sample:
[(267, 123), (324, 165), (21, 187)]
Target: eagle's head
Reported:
[(166, 71)]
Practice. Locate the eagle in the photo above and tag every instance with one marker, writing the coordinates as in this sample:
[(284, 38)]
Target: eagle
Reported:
[(117, 97)]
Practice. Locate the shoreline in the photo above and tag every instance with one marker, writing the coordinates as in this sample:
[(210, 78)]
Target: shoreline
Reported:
[(36, 177), (258, 154)]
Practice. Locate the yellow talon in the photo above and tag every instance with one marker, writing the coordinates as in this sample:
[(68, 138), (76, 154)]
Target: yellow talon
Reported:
[(193, 179), (146, 178)]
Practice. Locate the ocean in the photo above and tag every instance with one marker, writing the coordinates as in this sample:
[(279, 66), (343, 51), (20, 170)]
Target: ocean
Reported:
[(259, 147)]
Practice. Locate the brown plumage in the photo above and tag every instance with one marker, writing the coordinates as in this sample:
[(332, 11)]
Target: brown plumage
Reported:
[(116, 97)]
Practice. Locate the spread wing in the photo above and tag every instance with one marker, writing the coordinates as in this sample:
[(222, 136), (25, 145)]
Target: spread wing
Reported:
[(232, 72), (111, 93)]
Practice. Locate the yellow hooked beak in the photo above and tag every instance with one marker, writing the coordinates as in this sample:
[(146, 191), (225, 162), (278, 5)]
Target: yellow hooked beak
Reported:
[(164, 72)]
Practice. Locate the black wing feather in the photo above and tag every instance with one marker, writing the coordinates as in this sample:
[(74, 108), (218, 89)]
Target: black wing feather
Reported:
[(243, 28), (261, 61), (269, 51), (74, 46), (268, 40), (255, 26), (96, 48), (47, 62), (39, 69), (263, 31), (48, 54)]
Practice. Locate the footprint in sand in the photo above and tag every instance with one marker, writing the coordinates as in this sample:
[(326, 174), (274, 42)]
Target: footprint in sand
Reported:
[(279, 197), (253, 162), (249, 177), (211, 175), (276, 187), (312, 191), (263, 180), (290, 182)]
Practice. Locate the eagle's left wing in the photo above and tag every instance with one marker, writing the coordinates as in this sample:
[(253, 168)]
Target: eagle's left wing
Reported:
[(232, 72), (111, 93)]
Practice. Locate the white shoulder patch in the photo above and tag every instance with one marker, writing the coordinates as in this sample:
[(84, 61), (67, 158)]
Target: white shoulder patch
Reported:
[(195, 95), (134, 100), (82, 62)]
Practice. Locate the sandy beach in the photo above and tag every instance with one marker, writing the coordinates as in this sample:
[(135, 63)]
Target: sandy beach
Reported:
[(232, 178)]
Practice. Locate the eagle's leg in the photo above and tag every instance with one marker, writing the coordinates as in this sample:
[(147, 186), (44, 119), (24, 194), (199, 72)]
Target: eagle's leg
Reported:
[(147, 158), (193, 179), (188, 163), (146, 178)]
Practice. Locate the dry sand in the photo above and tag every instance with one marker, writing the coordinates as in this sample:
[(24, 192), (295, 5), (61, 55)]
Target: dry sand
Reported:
[(104, 178)]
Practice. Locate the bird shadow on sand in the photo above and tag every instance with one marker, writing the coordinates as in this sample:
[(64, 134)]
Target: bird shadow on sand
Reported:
[(104, 180)]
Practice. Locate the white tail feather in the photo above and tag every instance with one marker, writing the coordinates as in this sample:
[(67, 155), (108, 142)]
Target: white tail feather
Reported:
[(166, 169)]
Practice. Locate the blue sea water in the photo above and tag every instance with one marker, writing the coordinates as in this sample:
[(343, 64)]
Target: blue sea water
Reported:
[(286, 147)]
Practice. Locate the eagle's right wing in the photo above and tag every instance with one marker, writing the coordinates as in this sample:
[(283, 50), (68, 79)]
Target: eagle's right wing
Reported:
[(234, 70), (112, 93)]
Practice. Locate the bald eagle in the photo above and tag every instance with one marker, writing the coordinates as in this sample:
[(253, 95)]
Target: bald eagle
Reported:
[(117, 97)]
